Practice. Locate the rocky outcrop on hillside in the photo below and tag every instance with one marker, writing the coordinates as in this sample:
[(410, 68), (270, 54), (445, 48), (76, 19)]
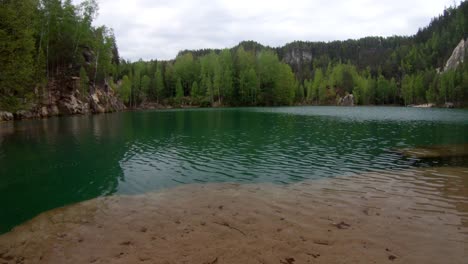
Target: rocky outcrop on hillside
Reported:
[(65, 100), (297, 56), (458, 55)]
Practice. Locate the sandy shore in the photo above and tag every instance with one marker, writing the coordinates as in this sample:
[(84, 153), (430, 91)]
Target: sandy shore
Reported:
[(406, 217)]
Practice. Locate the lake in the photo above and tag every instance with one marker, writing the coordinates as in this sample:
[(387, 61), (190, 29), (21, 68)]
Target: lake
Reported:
[(45, 164)]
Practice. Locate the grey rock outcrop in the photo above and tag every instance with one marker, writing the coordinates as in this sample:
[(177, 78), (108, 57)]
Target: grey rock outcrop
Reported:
[(43, 112), (457, 57), (449, 105), (53, 110), (347, 100), (23, 114), (71, 105), (297, 56), (5, 116), (69, 102)]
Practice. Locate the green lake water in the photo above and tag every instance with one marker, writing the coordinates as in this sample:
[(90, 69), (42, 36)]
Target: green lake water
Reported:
[(49, 163)]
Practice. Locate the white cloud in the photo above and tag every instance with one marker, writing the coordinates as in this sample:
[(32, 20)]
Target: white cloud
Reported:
[(159, 29)]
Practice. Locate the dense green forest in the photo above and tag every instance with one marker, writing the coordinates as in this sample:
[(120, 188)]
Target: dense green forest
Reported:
[(45, 40), (376, 70)]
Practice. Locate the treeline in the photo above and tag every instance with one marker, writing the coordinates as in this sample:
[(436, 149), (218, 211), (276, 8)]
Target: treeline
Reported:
[(415, 64), (394, 70), (47, 40), (44, 40), (234, 78)]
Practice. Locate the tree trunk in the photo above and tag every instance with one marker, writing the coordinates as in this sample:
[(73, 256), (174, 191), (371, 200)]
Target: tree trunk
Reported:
[(95, 70)]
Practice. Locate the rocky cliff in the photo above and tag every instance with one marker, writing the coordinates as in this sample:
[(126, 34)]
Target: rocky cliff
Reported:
[(297, 56), (457, 57), (63, 98)]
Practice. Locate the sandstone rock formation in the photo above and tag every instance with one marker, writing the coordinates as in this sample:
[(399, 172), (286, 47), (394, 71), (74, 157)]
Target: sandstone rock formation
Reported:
[(297, 56), (5, 116), (347, 100), (69, 102), (458, 55)]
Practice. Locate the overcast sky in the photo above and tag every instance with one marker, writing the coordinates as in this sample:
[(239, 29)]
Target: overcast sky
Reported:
[(158, 29)]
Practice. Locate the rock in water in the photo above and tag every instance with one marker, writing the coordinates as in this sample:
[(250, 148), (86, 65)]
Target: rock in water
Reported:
[(44, 112), (348, 100), (423, 106), (23, 114), (53, 110), (5, 116), (449, 105)]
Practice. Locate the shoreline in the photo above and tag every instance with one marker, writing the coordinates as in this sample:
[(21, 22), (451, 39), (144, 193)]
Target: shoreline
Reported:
[(370, 218), (6, 116)]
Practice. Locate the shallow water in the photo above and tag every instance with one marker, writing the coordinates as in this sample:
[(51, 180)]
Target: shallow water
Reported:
[(405, 216), (45, 164)]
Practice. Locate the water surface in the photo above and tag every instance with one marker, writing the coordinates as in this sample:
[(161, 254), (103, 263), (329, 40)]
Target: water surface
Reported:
[(49, 163)]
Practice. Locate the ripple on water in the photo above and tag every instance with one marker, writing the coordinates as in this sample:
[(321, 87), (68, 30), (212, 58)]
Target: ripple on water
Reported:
[(132, 153)]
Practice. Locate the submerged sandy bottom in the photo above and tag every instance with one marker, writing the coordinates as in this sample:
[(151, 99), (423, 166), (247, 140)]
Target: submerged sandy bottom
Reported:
[(405, 217)]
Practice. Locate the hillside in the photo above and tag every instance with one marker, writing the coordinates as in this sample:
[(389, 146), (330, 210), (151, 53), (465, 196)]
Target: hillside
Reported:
[(398, 70)]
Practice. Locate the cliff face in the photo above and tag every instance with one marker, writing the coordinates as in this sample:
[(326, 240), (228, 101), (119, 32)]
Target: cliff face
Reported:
[(297, 57), (457, 57), (62, 98)]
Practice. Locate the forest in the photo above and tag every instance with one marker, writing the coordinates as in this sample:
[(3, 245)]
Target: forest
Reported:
[(45, 40)]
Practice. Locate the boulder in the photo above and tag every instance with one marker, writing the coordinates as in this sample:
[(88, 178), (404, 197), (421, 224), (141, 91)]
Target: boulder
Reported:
[(23, 114), (53, 110), (449, 105), (348, 100), (70, 105), (102, 102), (6, 116), (94, 103), (424, 105), (43, 112)]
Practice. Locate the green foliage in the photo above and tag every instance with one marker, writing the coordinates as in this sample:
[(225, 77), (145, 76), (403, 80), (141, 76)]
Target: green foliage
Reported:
[(43, 40), (179, 89), (125, 89), (225, 82), (186, 69), (407, 89), (84, 82), (160, 86), (248, 87), (17, 66), (314, 87), (195, 92), (145, 85), (283, 91)]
